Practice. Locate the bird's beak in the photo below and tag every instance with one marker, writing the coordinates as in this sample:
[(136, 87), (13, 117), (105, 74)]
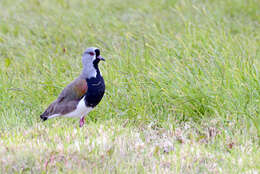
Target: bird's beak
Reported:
[(101, 58)]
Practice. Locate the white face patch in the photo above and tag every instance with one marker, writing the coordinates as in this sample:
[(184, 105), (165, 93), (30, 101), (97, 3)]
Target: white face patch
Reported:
[(87, 60), (94, 58), (89, 71)]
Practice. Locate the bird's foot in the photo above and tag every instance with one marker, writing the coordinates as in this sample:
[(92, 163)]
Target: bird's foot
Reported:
[(81, 122)]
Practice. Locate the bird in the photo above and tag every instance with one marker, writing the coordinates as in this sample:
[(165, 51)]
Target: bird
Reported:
[(83, 94)]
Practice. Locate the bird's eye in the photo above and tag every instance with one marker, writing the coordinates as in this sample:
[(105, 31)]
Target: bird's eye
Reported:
[(91, 53)]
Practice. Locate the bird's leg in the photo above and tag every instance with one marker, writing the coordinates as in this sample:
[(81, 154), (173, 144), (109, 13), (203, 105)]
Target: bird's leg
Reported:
[(81, 121)]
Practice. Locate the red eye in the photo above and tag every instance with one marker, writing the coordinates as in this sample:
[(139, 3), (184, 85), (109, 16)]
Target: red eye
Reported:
[(91, 53)]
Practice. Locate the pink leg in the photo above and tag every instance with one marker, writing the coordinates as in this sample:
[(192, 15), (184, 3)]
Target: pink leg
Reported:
[(81, 122)]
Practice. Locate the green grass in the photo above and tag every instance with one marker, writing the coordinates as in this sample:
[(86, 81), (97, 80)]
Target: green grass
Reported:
[(182, 76)]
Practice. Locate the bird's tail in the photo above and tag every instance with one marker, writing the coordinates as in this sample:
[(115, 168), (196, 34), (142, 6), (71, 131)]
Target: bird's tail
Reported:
[(48, 112), (43, 117)]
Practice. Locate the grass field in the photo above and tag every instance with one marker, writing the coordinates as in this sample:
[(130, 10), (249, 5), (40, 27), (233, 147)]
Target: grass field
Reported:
[(182, 76)]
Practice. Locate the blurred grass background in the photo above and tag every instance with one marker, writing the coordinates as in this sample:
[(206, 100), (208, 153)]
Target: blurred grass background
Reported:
[(169, 62)]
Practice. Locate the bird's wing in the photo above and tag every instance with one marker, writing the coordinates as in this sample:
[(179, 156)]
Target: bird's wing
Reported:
[(68, 99)]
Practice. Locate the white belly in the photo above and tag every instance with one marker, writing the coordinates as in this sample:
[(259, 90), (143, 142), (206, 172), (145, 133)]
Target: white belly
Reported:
[(80, 111)]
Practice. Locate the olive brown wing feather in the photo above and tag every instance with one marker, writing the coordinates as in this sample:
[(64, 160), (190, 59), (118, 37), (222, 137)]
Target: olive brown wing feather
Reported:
[(68, 99)]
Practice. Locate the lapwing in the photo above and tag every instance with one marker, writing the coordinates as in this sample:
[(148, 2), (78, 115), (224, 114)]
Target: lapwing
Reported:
[(83, 94)]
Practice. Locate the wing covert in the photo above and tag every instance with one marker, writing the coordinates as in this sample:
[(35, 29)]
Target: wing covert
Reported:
[(74, 91)]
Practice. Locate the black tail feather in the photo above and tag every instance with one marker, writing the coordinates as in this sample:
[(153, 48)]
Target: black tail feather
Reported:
[(44, 118)]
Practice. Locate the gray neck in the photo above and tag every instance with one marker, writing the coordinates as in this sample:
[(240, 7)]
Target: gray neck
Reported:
[(89, 71)]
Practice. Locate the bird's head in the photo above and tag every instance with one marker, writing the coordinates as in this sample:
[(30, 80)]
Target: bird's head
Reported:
[(91, 56)]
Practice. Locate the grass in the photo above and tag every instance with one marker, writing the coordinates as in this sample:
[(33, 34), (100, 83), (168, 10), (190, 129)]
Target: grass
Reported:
[(182, 77)]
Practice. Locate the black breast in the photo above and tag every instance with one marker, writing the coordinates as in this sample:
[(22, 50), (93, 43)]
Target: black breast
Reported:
[(95, 92)]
